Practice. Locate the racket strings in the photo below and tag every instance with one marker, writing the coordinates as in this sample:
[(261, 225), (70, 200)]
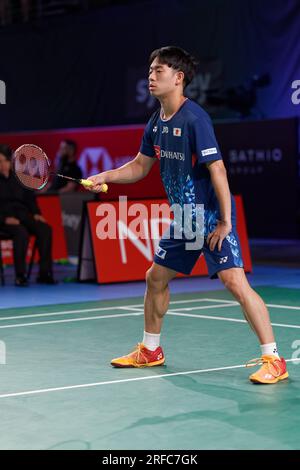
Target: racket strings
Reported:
[(31, 166)]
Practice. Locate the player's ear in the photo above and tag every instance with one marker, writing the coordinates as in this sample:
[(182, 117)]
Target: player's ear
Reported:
[(179, 78)]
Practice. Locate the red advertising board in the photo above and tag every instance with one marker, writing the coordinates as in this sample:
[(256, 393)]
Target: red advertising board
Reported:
[(134, 236)]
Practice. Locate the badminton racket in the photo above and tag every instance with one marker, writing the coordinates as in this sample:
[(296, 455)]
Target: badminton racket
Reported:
[(32, 168)]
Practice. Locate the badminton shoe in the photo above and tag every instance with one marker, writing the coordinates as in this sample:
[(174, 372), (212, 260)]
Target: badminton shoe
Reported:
[(272, 370), (140, 357)]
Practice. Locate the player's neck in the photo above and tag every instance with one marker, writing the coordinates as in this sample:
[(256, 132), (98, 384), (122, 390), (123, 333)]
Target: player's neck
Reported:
[(170, 105)]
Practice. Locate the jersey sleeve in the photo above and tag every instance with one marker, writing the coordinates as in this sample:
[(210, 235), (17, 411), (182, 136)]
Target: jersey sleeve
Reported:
[(204, 142), (147, 147)]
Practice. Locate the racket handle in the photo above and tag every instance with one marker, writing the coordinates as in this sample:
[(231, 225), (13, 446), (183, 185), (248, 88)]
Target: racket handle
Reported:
[(89, 183)]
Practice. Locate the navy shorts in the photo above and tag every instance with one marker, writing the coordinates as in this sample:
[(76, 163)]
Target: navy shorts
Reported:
[(173, 254)]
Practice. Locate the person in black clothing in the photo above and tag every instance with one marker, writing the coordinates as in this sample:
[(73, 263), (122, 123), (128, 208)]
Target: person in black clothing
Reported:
[(67, 167), (20, 216)]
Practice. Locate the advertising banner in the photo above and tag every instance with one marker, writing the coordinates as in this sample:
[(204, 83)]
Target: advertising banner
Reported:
[(119, 240)]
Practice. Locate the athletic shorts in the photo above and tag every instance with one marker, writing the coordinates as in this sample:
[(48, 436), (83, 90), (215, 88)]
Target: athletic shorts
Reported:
[(173, 254)]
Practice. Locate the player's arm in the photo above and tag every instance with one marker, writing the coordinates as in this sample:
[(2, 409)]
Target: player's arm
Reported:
[(219, 181), (131, 172)]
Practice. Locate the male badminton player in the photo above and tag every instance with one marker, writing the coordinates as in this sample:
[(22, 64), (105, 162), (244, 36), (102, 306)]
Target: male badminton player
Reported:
[(180, 135)]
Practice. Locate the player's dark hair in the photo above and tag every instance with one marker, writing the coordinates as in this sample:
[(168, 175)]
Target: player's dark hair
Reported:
[(71, 143), (178, 59), (6, 151)]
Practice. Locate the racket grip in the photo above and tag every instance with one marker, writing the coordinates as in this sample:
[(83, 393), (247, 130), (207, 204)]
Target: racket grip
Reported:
[(86, 183)]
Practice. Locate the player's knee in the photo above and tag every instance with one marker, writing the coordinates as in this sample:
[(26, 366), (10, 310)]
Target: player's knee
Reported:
[(155, 281), (236, 289)]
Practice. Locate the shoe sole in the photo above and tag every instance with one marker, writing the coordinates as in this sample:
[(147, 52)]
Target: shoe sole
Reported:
[(150, 364), (281, 377)]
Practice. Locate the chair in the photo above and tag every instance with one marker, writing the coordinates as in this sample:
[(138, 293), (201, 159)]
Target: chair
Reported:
[(5, 236)]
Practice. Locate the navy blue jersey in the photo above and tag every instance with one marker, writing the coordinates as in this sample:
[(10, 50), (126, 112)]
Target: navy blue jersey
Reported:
[(184, 144)]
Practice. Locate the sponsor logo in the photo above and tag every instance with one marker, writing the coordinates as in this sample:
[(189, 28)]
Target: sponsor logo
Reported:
[(255, 155), (161, 253), (172, 155), (210, 151), (223, 260), (157, 151), (177, 131), (165, 130), (155, 129), (253, 161)]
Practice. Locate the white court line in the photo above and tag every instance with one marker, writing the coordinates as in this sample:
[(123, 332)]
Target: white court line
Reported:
[(137, 313), (99, 309), (236, 320), (187, 308), (96, 309), (17, 325), (67, 312), (291, 307), (135, 379)]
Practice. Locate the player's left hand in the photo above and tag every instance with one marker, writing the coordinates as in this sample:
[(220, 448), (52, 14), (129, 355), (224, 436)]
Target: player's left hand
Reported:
[(39, 218), (217, 236)]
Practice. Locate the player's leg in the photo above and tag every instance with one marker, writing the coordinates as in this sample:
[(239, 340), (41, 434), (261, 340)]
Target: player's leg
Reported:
[(227, 264), (157, 296), (148, 353), (273, 367), (170, 258), (253, 306)]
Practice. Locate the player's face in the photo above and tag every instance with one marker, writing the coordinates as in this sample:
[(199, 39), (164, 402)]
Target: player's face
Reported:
[(162, 79)]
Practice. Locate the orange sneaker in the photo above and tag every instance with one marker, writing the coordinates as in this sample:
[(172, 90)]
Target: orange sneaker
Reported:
[(140, 357), (272, 370)]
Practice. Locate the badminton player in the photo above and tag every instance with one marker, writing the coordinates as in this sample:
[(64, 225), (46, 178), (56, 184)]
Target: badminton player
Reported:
[(180, 135)]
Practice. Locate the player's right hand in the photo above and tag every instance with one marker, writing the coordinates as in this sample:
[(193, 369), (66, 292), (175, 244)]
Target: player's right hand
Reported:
[(98, 181), (12, 221)]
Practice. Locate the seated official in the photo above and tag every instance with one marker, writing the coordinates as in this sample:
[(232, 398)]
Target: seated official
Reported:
[(67, 167), (20, 216)]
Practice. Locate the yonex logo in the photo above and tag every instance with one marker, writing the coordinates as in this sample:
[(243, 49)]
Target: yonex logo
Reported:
[(223, 260), (2, 92), (159, 356), (155, 129)]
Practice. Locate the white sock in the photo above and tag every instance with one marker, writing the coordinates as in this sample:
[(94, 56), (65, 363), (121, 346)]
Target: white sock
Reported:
[(151, 340), (269, 349)]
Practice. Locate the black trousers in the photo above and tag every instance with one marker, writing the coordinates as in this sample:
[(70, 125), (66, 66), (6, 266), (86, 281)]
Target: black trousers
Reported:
[(20, 235)]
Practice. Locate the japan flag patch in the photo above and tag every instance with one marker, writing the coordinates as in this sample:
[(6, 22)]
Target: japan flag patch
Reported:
[(177, 131)]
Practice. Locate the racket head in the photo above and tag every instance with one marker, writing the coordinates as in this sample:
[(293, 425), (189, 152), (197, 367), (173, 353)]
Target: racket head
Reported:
[(31, 166)]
